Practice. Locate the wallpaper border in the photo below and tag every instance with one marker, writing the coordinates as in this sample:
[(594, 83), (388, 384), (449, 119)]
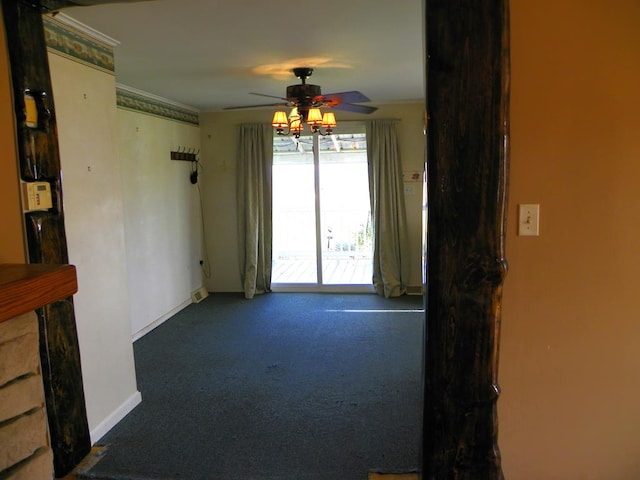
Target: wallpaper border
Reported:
[(142, 103), (78, 45)]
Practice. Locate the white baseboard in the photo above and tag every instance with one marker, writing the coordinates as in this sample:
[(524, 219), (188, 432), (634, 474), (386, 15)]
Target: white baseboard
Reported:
[(156, 323), (117, 415)]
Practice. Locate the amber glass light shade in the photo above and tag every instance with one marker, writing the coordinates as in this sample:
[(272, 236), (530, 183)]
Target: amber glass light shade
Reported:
[(296, 125), (329, 121), (314, 118), (280, 120)]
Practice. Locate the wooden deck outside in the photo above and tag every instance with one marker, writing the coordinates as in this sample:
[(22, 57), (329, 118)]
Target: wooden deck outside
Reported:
[(337, 270)]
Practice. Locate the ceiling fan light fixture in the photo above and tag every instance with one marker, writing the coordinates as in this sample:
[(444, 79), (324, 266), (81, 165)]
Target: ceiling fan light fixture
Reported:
[(295, 122), (329, 121), (296, 126), (314, 118), (280, 122), (279, 119), (294, 114)]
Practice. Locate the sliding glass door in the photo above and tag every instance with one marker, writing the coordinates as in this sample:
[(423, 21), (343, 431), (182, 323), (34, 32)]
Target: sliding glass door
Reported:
[(322, 236)]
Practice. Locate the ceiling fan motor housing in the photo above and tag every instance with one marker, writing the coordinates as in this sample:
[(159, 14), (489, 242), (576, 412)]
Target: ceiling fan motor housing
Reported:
[(303, 94)]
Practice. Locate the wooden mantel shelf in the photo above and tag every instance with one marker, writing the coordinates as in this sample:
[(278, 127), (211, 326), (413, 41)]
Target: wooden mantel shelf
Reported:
[(26, 287)]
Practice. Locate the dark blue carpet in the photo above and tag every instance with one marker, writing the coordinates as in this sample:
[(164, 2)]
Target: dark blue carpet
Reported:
[(284, 386)]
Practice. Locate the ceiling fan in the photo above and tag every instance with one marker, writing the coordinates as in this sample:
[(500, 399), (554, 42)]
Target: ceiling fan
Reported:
[(305, 101)]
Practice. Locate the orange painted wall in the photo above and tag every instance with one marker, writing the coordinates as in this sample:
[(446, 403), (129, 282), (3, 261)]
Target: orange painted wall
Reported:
[(12, 249), (570, 351)]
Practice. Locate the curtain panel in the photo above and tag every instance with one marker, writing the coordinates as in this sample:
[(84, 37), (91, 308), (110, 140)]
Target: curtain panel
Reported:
[(254, 198), (386, 190)]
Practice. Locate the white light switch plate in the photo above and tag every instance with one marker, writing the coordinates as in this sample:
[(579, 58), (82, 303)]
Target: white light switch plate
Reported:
[(529, 220)]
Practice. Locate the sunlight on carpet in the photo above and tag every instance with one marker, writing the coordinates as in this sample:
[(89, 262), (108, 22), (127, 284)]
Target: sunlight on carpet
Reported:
[(414, 310)]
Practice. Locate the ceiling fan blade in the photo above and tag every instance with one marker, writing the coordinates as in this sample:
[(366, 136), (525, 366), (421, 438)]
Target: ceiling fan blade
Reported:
[(270, 96), (256, 106), (350, 107), (346, 97)]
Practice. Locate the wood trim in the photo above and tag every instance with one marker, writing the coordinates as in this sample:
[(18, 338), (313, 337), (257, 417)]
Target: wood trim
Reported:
[(27, 287)]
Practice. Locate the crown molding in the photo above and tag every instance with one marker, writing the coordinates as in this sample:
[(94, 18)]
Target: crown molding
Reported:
[(71, 22)]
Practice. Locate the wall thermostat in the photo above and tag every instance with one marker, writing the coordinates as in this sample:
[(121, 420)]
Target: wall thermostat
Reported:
[(37, 196)]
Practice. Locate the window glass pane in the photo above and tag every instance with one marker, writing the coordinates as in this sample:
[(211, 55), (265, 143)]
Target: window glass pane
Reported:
[(294, 220), (345, 213)]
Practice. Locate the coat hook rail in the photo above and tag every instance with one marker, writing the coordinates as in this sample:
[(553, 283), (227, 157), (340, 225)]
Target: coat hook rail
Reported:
[(185, 154)]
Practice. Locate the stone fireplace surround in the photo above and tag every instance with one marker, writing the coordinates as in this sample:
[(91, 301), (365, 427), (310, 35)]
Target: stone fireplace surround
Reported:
[(26, 447)]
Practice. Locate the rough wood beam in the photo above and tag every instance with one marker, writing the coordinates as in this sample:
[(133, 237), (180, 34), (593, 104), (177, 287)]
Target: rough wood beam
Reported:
[(467, 159)]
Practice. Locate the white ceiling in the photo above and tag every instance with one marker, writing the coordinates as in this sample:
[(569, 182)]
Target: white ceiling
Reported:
[(207, 53)]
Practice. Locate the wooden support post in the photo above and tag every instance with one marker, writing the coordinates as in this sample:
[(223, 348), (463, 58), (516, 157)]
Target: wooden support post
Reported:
[(39, 160), (467, 165)]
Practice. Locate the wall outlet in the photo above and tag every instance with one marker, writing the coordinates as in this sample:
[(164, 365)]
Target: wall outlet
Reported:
[(198, 295), (409, 189)]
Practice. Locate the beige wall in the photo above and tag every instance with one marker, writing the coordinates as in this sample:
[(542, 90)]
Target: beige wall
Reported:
[(219, 145), (570, 332), (12, 249), (161, 217), (85, 103)]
